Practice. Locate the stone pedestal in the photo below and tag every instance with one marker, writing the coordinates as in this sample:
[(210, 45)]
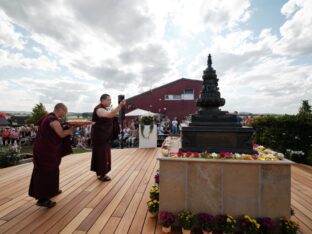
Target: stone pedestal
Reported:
[(217, 139), (235, 187)]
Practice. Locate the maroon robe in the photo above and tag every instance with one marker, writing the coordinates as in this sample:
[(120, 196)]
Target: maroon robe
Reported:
[(101, 134), (47, 152)]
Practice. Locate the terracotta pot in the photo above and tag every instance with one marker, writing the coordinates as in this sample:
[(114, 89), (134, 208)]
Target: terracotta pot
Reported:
[(166, 229), (186, 231), (152, 214)]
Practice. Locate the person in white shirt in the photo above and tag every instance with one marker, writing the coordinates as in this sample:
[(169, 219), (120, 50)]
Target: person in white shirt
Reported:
[(174, 126)]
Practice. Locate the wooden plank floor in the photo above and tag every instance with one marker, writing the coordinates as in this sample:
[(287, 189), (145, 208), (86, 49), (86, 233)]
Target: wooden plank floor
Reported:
[(88, 205), (301, 196)]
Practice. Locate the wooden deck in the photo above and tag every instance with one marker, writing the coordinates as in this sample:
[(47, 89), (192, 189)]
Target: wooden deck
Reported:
[(88, 205)]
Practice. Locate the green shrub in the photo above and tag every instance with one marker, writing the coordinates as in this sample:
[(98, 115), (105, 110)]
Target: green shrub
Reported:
[(9, 156), (289, 134)]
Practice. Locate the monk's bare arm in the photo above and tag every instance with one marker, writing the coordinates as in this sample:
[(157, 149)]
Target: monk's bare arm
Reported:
[(101, 112), (59, 130)]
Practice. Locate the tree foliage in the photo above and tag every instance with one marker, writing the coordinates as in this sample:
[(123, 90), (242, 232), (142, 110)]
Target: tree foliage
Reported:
[(285, 134), (305, 108), (37, 112)]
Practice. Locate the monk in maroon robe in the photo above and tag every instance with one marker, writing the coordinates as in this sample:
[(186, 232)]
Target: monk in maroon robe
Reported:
[(48, 150), (101, 134)]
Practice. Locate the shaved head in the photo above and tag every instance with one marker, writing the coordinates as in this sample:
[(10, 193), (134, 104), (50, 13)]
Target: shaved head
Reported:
[(59, 106)]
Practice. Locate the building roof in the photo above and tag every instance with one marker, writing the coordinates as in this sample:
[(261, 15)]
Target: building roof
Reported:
[(4, 122), (162, 86), (18, 120), (139, 112)]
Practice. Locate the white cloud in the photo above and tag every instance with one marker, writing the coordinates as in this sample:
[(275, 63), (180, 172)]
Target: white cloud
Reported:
[(215, 15), (78, 96), (8, 36), (297, 30), (17, 60)]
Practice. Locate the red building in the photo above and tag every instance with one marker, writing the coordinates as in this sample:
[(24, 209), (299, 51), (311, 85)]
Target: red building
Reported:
[(175, 99)]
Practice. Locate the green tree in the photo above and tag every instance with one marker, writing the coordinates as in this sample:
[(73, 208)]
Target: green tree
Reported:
[(86, 115), (305, 108), (37, 112)]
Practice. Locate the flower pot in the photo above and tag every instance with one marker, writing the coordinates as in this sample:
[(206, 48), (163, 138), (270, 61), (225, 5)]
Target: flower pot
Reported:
[(152, 214), (166, 229), (186, 231)]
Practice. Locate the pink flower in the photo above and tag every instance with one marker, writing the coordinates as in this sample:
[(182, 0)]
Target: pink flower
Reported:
[(226, 154)]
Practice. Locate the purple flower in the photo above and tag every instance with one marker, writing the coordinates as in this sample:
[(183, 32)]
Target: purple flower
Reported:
[(157, 178), (166, 218), (267, 225), (206, 221)]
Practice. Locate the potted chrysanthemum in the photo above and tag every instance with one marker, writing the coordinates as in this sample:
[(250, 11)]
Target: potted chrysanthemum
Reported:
[(247, 225), (288, 226), (154, 192), (206, 222), (186, 220), (267, 225), (166, 219), (153, 207), (225, 223)]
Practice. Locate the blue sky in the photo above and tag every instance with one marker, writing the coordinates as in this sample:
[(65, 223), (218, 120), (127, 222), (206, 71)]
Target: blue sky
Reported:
[(73, 51)]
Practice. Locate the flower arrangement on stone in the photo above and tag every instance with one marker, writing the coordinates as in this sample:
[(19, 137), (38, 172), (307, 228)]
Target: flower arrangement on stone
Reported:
[(267, 154), (186, 219), (154, 192), (153, 207), (288, 227), (261, 153), (166, 219), (225, 223), (247, 225), (267, 225), (206, 222), (147, 120)]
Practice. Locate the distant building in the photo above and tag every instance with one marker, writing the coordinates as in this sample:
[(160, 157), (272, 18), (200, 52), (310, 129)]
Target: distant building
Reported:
[(175, 99), (19, 120), (4, 122)]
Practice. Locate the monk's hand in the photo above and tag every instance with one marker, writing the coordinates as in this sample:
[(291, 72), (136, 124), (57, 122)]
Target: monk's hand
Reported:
[(122, 103), (71, 129)]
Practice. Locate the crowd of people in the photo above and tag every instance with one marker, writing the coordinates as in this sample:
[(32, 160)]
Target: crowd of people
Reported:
[(18, 135)]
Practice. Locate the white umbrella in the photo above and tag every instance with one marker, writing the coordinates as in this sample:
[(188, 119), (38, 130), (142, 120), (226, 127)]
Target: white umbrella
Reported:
[(139, 112)]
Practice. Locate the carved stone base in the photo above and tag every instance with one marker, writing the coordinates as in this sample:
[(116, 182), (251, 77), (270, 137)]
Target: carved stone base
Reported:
[(217, 139)]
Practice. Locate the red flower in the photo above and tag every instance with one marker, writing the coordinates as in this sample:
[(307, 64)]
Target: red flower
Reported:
[(180, 153), (188, 154), (196, 154), (164, 146), (226, 154)]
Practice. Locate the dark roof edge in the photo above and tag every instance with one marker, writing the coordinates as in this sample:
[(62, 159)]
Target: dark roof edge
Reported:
[(164, 86)]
